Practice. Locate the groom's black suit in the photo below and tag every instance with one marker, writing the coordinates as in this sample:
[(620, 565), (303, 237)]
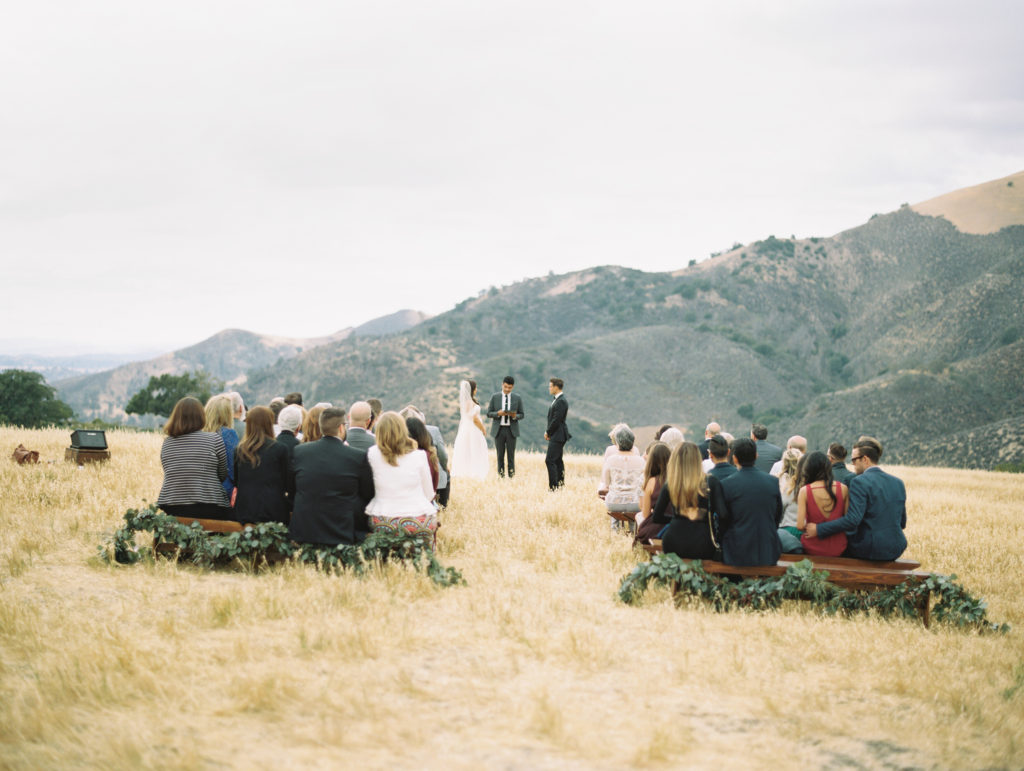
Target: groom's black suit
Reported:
[(557, 435), (505, 436)]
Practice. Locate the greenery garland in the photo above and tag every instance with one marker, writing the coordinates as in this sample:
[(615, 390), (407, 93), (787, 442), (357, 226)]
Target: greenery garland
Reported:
[(265, 542), (954, 604)]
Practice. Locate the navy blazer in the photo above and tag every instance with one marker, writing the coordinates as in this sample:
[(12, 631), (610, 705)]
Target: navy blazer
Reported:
[(768, 455), (749, 524), (875, 519), (333, 483), (557, 412), (722, 471)]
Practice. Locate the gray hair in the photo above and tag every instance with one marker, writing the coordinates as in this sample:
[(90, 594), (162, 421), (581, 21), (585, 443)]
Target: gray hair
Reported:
[(673, 437), (624, 438), (237, 402), (290, 418)]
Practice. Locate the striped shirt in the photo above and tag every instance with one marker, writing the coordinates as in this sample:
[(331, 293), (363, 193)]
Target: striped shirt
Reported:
[(194, 465)]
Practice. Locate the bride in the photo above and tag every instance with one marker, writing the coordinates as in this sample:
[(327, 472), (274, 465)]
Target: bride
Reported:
[(469, 456)]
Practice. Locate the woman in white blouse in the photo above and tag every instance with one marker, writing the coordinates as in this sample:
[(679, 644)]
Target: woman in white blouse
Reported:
[(403, 490), (622, 475)]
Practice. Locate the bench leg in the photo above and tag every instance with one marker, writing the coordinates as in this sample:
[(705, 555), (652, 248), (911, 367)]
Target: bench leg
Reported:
[(925, 608)]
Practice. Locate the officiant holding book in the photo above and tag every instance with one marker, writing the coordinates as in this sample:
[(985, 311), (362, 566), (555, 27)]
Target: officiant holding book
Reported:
[(505, 411)]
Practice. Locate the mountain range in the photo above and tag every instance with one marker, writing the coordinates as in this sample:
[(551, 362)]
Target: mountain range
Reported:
[(908, 328)]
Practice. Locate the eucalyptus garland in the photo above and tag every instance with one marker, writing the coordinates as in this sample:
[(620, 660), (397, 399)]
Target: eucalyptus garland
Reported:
[(265, 542), (953, 604)]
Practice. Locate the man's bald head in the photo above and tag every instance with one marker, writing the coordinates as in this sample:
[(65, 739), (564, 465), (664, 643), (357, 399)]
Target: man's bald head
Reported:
[(359, 415), (713, 429), (797, 442)]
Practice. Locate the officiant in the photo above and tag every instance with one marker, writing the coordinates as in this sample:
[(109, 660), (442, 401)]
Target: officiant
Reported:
[(505, 411)]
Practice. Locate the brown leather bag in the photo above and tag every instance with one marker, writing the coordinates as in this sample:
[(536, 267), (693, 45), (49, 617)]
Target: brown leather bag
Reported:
[(24, 455)]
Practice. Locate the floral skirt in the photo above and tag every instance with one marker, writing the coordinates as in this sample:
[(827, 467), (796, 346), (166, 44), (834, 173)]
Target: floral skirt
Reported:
[(424, 524)]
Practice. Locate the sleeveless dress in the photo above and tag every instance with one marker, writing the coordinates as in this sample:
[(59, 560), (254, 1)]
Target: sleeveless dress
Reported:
[(469, 455), (834, 545)]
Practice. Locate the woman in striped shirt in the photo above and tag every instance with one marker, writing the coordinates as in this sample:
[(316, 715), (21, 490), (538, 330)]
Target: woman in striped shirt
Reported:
[(195, 463)]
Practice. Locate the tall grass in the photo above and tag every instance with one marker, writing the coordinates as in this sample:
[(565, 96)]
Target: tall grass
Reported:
[(534, 664)]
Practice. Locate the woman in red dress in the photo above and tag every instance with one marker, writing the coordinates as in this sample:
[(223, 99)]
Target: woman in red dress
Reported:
[(820, 500)]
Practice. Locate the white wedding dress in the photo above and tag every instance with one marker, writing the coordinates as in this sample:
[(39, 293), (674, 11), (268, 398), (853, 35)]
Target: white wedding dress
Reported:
[(469, 456)]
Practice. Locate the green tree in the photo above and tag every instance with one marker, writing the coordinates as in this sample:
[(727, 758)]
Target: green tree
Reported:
[(163, 392), (26, 400)]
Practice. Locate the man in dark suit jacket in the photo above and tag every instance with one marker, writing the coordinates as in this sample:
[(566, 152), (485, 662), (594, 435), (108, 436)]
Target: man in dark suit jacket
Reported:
[(289, 421), (712, 429), (505, 411), (753, 511), (358, 434), (718, 450), (768, 454), (877, 515), (556, 435), (333, 483)]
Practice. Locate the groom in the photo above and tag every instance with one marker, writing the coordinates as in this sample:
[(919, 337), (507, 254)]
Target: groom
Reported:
[(556, 435), (506, 410)]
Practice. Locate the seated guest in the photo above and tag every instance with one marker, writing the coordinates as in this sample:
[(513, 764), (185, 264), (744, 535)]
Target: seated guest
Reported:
[(712, 429), (376, 408), (687, 503), (767, 453), (418, 433), (672, 436), (789, 489), (401, 477), (794, 443), (660, 431), (444, 482), (622, 474), (276, 405), (877, 513), (219, 421), (333, 483), (820, 500), (837, 455), (237, 413), (293, 398), (718, 453), (262, 471), (289, 422), (358, 434), (195, 463), (311, 425), (753, 509), (613, 448), (654, 479)]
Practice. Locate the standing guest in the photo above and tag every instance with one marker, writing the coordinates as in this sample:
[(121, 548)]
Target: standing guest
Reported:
[(837, 456), (444, 480), (311, 425), (622, 475), (376, 407), (418, 433), (753, 510), (194, 463), (789, 489), (359, 436), (712, 429), (821, 499), (293, 398), (654, 479), (768, 454), (718, 452), (333, 484), (794, 443), (262, 471), (556, 434), (401, 477), (505, 411), (289, 422), (218, 421), (687, 504), (877, 513), (238, 412)]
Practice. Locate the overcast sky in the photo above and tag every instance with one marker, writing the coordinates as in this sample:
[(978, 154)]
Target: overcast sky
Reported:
[(173, 169)]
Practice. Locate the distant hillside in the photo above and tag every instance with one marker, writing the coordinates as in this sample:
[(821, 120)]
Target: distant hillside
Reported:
[(904, 327), (983, 208), (55, 368), (227, 355)]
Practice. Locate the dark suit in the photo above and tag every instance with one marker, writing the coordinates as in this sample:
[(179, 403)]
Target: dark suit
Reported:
[(842, 474), (875, 519), (359, 438), (333, 483), (722, 471), (263, 490), (558, 435), (768, 455), (505, 436), (289, 440), (703, 447), (749, 524)]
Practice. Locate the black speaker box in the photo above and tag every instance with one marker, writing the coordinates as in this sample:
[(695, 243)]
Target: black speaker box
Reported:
[(88, 440)]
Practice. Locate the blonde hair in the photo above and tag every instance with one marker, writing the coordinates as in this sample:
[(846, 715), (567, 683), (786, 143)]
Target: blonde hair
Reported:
[(219, 414), (311, 425), (790, 460), (392, 436), (685, 478)]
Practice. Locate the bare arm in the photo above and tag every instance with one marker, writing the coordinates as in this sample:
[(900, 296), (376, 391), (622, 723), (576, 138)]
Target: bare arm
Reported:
[(801, 509), (479, 424), (645, 500)]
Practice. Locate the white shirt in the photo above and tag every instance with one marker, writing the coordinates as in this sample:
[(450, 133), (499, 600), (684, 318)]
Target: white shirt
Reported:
[(405, 490)]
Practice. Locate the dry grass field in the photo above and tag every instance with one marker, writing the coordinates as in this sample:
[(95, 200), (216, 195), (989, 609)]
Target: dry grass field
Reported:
[(533, 664)]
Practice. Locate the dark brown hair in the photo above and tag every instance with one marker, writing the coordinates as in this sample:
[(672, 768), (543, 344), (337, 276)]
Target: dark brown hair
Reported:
[(259, 429), (187, 417)]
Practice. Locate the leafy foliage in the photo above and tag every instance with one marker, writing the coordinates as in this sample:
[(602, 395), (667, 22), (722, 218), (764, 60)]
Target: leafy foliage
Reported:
[(26, 400), (954, 605), (163, 392), (259, 544)]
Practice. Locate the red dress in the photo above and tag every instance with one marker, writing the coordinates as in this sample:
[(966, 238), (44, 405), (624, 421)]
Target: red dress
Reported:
[(834, 545)]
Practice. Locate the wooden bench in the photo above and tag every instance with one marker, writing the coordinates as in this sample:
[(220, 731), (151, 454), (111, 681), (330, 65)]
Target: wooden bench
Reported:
[(847, 572)]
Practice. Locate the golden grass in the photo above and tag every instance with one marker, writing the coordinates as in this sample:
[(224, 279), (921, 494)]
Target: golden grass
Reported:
[(534, 664)]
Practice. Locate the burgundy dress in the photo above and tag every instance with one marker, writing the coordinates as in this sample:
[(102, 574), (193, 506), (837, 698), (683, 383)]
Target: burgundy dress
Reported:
[(834, 545), (649, 528)]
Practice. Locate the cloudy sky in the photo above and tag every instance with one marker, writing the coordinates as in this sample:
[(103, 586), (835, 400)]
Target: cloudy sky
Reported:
[(173, 169)]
